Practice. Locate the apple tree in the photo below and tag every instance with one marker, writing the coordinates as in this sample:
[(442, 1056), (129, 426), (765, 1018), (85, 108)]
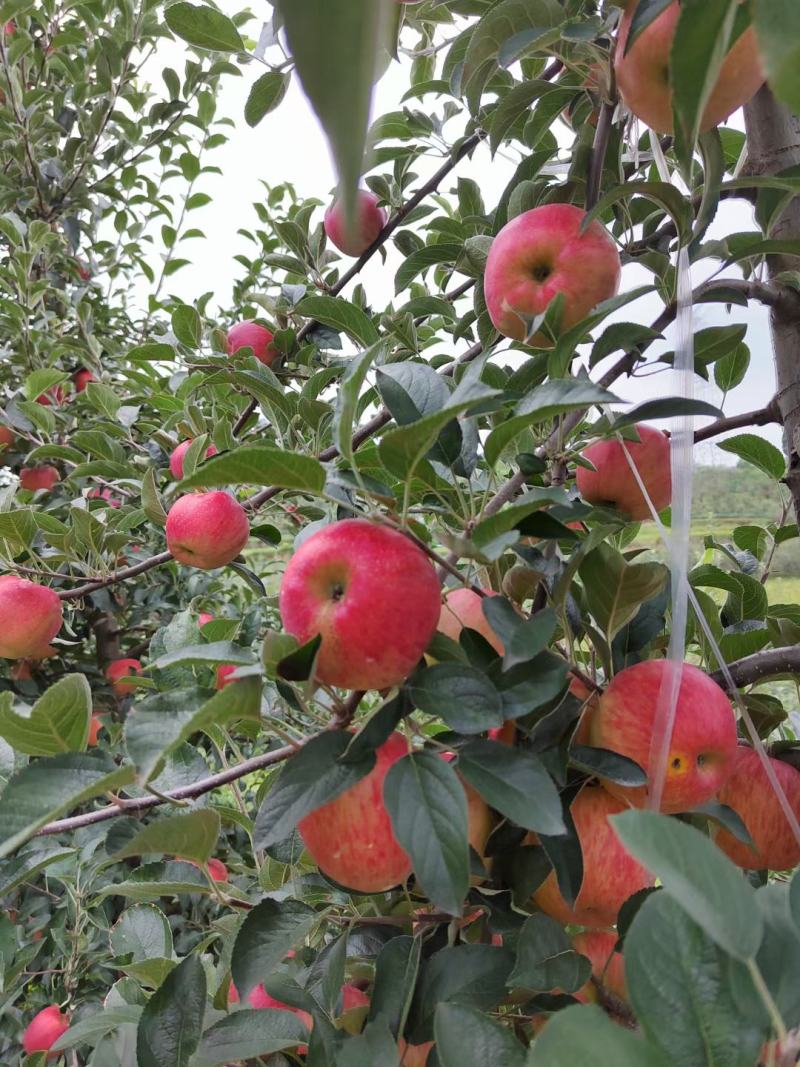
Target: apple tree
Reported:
[(364, 700)]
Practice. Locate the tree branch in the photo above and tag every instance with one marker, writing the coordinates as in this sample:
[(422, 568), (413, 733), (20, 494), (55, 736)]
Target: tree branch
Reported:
[(598, 157), (763, 417), (771, 663)]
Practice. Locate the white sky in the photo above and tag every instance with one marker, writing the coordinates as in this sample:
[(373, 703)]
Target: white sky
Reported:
[(288, 146)]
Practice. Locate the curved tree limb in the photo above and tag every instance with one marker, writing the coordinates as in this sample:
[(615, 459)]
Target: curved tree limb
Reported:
[(762, 417), (771, 663)]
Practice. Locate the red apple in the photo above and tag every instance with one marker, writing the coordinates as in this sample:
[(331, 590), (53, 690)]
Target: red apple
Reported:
[(610, 873), (53, 396), (21, 670), (260, 999), (414, 1055), (643, 75), (95, 726), (253, 335), (462, 607), (7, 438), (82, 377), (505, 734), (176, 459), (370, 220), (608, 965), (223, 677), (30, 617), (371, 594), (33, 478), (749, 792), (203, 618), (207, 530), (44, 1029), (542, 253), (353, 997), (118, 671), (217, 870), (105, 494), (703, 743), (613, 483), (351, 839)]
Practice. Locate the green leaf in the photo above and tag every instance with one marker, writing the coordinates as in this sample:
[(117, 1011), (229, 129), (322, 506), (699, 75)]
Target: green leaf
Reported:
[(615, 589), (347, 399), (546, 959), (189, 837), (396, 970), (170, 1026), (143, 933), (673, 970), (337, 52), (14, 872), (602, 763), (777, 25), (667, 197), (245, 1035), (465, 1036), (204, 27), (472, 975), (151, 501), (265, 95), (340, 314), (268, 932), (515, 783), (154, 880), (428, 808), (542, 403), (584, 1034), (460, 694), (698, 875), (211, 652), (165, 721), (58, 721), (315, 776), (419, 261), (186, 325), (665, 408), (730, 369), (260, 465), (49, 787), (757, 451), (89, 1029)]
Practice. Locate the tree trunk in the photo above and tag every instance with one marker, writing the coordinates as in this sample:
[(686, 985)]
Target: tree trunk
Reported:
[(773, 138)]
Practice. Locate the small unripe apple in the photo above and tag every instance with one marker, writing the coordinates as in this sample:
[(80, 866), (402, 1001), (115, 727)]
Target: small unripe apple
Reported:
[(613, 483), (176, 459), (30, 617), (703, 742), (44, 1029), (371, 594), (351, 839), (643, 75), (608, 965), (749, 792), (462, 607), (35, 478), (223, 676), (253, 335), (370, 220), (81, 379), (207, 530), (542, 253), (610, 873), (95, 726), (118, 671), (53, 396)]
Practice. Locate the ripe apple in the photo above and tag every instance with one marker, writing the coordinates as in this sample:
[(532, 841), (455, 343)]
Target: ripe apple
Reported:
[(351, 838), (414, 1055), (749, 792), (610, 873), (643, 75), (7, 438), (217, 870), (353, 997), (44, 477), (608, 965), (505, 734), (462, 607), (260, 999), (541, 253), (21, 670), (613, 483), (207, 530), (118, 671), (702, 747), (31, 617), (44, 1029), (370, 220), (176, 459), (105, 494), (203, 618), (371, 594), (81, 379), (224, 672), (95, 726), (253, 335), (53, 396)]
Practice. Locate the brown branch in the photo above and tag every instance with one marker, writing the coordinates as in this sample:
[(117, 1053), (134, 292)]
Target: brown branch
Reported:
[(117, 576), (771, 663), (763, 417), (781, 298), (598, 157)]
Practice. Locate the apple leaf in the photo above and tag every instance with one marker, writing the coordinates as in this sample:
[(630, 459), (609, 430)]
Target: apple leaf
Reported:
[(268, 932), (191, 837), (23, 868), (465, 1036), (396, 970), (259, 465), (665, 408), (265, 95), (92, 1027), (546, 959), (428, 808), (315, 776), (340, 314), (758, 452), (607, 764), (171, 1023), (246, 1035), (204, 27), (515, 783), (460, 694), (665, 196), (58, 721), (585, 1034), (674, 970), (777, 25), (698, 875), (473, 975), (615, 589), (347, 398), (142, 933), (154, 880)]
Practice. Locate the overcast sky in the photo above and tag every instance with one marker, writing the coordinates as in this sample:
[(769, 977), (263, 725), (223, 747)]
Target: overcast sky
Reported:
[(288, 145)]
